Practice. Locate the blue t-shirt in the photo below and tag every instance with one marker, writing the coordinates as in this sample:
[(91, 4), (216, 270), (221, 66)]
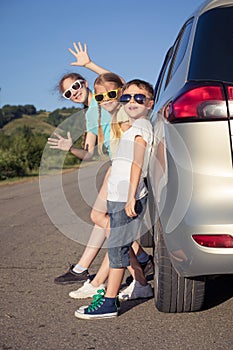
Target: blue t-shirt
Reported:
[(92, 116)]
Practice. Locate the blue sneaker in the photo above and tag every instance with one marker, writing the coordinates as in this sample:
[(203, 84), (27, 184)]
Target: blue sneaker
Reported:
[(100, 307)]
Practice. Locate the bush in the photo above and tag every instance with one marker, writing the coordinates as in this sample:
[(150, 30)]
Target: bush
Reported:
[(10, 165)]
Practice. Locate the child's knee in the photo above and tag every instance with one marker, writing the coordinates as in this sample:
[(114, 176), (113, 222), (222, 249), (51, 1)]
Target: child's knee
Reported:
[(93, 216), (97, 217)]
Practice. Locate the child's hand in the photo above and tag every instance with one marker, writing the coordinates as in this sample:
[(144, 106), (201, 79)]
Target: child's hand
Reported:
[(60, 143), (130, 208), (80, 54)]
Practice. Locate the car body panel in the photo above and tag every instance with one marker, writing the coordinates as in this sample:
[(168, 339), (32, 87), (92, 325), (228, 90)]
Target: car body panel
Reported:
[(191, 175)]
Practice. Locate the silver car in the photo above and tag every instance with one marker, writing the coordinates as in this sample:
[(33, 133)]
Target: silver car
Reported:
[(191, 167)]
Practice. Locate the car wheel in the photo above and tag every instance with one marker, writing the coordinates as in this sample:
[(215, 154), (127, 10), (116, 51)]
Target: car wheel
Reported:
[(172, 292)]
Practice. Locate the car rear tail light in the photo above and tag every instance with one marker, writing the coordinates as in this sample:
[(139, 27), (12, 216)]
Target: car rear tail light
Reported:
[(200, 103), (230, 92), (214, 241), (230, 101)]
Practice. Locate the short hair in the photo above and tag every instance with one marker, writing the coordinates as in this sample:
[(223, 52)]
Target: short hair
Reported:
[(142, 84)]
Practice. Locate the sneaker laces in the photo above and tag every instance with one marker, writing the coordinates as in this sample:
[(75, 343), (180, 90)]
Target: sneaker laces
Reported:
[(97, 300)]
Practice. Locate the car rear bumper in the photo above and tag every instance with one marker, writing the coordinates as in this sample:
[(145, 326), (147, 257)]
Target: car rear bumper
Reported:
[(191, 259)]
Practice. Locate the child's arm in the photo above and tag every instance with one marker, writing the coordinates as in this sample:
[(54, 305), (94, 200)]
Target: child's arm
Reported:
[(83, 59), (136, 168), (66, 144)]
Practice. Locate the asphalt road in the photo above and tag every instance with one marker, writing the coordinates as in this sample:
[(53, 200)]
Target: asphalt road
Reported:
[(37, 314)]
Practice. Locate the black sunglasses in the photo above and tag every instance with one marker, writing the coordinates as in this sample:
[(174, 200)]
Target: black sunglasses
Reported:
[(77, 85), (112, 94), (139, 98)]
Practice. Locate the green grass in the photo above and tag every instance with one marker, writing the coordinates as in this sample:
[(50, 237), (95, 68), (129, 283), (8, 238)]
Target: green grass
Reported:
[(36, 123)]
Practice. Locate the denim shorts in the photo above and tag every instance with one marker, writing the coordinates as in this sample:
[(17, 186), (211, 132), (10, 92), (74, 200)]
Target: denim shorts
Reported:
[(124, 231)]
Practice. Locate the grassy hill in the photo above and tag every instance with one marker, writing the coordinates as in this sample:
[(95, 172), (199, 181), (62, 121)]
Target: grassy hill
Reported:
[(45, 122), (37, 124)]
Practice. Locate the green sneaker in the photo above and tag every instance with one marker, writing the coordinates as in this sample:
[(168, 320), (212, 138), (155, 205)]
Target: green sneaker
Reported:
[(100, 307)]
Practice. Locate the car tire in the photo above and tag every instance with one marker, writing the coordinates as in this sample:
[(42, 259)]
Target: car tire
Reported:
[(172, 292)]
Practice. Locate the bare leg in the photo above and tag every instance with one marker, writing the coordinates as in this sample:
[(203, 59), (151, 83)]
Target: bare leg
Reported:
[(101, 219), (94, 244), (135, 269), (138, 250), (102, 273), (114, 282), (99, 212)]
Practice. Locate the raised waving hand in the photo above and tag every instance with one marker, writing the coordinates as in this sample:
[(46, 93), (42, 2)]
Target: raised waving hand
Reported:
[(83, 60), (81, 55)]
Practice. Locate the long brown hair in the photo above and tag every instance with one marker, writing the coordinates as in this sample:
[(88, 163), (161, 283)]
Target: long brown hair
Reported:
[(115, 126)]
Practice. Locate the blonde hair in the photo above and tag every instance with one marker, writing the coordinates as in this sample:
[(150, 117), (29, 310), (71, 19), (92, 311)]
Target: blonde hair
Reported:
[(115, 126)]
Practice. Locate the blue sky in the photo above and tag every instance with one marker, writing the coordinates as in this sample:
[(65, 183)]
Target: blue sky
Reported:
[(126, 36)]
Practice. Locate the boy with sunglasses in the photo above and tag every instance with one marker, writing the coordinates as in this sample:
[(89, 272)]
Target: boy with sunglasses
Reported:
[(127, 195)]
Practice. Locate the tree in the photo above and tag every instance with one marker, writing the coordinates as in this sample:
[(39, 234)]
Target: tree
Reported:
[(29, 110)]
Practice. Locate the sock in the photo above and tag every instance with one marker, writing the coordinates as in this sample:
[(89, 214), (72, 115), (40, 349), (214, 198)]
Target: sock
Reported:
[(143, 258), (79, 269)]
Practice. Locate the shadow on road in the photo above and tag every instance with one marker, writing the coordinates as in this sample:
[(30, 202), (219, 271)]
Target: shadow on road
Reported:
[(218, 290), (128, 305)]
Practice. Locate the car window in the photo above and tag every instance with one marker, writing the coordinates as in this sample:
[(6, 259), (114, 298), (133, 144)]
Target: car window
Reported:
[(163, 74), (173, 58), (180, 49), (215, 60)]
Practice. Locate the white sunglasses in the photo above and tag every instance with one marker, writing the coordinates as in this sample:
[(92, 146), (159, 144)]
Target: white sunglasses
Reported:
[(77, 85)]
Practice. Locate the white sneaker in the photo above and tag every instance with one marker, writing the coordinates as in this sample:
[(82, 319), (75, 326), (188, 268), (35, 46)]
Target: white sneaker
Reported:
[(136, 291), (86, 291)]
